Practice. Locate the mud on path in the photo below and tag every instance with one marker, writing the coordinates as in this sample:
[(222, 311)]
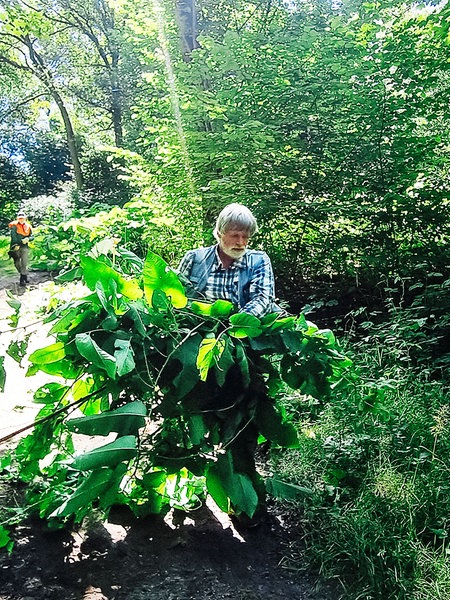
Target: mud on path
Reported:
[(183, 556)]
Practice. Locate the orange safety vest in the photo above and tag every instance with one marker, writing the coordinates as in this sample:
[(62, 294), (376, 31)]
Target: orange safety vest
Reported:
[(21, 228)]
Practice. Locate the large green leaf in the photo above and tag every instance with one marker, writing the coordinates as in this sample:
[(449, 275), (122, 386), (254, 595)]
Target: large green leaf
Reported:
[(237, 486), (96, 270), (159, 276), (293, 341), (283, 323), (216, 490), (160, 301), (286, 491), (245, 325), (327, 335), (197, 429), (90, 489), (209, 353), (50, 393), (219, 308), (269, 319), (273, 426), (62, 368), (312, 377), (110, 455), (72, 317), (124, 420), (124, 356), (70, 275), (102, 296), (50, 354), (109, 495), (88, 348), (293, 373), (225, 362), (188, 377)]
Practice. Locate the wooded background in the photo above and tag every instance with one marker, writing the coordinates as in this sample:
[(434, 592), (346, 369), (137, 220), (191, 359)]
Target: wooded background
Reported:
[(328, 119)]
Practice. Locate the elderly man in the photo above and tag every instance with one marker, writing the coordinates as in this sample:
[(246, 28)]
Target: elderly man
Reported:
[(228, 270)]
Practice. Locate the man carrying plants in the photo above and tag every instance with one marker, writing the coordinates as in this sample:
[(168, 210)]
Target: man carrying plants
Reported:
[(21, 233), (209, 375), (230, 271)]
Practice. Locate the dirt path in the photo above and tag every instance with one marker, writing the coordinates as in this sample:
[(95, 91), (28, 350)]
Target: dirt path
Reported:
[(153, 559), (199, 555), (16, 405)]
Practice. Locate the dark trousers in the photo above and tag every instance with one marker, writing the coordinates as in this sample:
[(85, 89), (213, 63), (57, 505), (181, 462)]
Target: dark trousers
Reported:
[(21, 257)]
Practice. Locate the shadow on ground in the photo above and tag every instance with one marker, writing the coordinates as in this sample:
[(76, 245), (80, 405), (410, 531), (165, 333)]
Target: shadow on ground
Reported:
[(189, 556)]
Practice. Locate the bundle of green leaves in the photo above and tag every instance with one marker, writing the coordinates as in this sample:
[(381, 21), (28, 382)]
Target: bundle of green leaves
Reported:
[(183, 389)]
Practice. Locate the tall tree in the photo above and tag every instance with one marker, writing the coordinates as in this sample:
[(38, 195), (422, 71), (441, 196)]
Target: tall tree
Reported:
[(22, 46), (314, 121), (186, 13), (92, 23)]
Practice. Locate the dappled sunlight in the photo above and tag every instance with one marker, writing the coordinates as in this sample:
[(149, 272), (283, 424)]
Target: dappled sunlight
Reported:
[(159, 13)]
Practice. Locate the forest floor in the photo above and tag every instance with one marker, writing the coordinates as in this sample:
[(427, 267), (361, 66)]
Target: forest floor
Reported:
[(183, 556)]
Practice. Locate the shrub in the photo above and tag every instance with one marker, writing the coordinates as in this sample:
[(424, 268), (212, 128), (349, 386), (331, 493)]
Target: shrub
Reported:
[(375, 461)]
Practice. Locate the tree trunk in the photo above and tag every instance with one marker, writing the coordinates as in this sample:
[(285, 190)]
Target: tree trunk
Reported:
[(116, 101), (186, 15), (40, 70), (70, 136)]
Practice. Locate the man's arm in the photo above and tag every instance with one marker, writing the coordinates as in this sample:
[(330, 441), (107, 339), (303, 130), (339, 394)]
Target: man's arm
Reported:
[(262, 289)]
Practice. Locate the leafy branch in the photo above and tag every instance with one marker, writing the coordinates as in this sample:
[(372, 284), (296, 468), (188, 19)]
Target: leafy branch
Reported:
[(212, 389)]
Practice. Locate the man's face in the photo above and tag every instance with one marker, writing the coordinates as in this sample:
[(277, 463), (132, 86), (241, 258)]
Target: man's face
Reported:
[(233, 242)]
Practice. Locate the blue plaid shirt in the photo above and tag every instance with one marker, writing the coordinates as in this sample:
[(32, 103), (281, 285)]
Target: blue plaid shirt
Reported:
[(223, 284)]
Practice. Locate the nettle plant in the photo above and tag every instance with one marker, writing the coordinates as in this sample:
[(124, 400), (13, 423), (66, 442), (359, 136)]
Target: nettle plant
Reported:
[(181, 387)]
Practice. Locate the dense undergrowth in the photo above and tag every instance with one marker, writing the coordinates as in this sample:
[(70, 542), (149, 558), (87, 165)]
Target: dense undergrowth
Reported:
[(376, 459)]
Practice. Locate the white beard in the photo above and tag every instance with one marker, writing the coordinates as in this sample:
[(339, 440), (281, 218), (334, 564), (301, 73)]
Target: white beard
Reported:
[(235, 254)]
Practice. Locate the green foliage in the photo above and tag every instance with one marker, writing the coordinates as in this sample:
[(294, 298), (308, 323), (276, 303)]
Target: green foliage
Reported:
[(326, 121), (330, 121), (5, 540), (184, 393), (14, 185), (375, 463), (126, 232)]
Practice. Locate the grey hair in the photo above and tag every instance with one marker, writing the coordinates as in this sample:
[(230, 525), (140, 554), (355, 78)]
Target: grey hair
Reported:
[(235, 216)]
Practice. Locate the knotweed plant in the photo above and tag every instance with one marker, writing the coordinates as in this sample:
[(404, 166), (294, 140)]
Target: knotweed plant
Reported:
[(180, 390)]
